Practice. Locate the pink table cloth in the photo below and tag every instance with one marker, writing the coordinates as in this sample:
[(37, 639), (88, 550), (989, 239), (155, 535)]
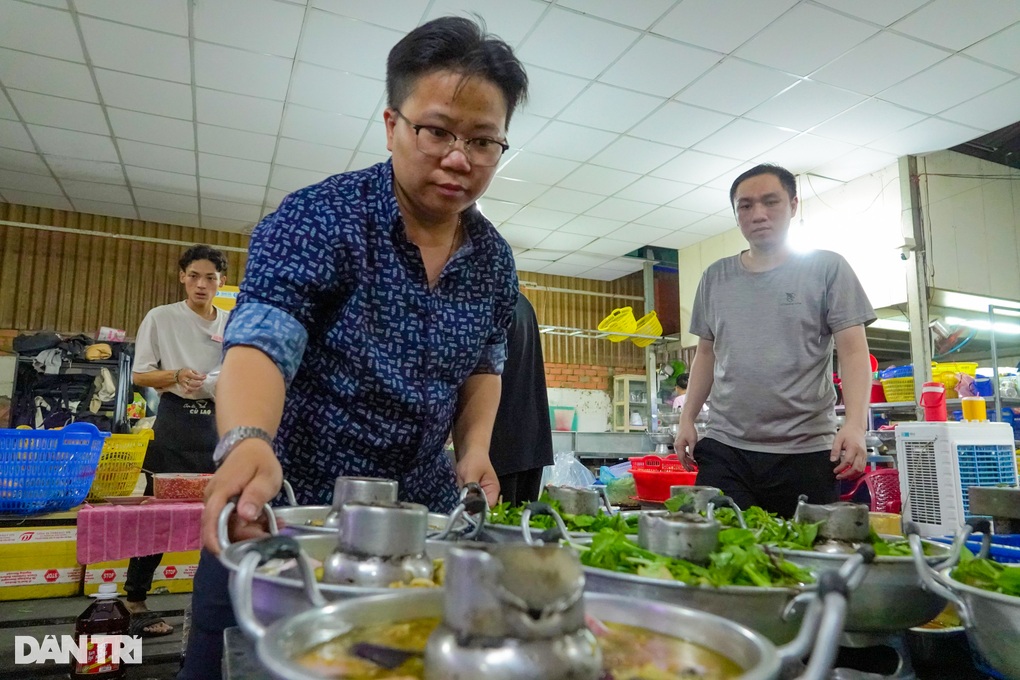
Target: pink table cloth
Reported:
[(116, 532)]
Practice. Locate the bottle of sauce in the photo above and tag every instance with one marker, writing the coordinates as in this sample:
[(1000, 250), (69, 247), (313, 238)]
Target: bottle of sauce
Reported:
[(106, 616)]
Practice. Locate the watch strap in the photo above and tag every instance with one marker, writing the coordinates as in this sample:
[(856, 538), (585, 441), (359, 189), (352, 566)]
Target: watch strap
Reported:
[(235, 436)]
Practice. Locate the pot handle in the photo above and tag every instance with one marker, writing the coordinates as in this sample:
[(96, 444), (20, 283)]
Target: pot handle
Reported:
[(729, 502), (472, 502), (931, 579), (222, 523), (288, 491), (556, 533), (257, 554), (601, 490), (834, 588)]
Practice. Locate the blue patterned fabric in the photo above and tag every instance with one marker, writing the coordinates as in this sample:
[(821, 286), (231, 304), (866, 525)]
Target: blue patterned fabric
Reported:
[(336, 295)]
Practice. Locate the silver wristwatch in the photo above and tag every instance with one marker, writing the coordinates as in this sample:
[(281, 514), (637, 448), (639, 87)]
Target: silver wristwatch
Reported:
[(234, 437)]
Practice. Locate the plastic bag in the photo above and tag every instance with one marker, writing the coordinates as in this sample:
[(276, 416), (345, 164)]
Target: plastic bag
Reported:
[(567, 470), (621, 490)]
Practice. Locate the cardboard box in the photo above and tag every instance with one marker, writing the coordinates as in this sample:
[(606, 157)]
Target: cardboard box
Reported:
[(38, 562), (176, 572)]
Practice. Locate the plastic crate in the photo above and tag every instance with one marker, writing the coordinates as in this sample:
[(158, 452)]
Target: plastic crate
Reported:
[(1005, 548), (47, 470), (653, 476), (120, 464)]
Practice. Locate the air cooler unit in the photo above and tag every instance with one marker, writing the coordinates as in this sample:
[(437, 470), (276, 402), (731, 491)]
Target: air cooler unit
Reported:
[(938, 462)]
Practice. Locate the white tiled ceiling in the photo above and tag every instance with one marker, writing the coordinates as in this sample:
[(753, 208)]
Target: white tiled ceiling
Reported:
[(641, 112)]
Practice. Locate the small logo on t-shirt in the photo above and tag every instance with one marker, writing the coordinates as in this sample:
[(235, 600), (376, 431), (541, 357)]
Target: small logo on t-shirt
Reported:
[(790, 299)]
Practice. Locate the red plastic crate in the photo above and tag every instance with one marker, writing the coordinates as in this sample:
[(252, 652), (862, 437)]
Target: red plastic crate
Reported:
[(653, 475)]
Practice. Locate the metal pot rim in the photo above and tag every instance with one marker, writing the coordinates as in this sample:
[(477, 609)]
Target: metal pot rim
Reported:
[(1001, 598), (792, 555), (273, 653), (731, 590), (435, 519), (230, 559)]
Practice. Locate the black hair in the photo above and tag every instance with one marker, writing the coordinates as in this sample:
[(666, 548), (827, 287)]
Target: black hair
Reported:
[(202, 252), (784, 176), (682, 379), (454, 44)]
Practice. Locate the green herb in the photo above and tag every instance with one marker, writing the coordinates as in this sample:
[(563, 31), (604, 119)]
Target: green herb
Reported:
[(739, 561), (988, 575), (770, 529), (505, 514)]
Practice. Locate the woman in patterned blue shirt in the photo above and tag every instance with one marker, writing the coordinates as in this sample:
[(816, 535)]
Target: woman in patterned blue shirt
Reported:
[(373, 313)]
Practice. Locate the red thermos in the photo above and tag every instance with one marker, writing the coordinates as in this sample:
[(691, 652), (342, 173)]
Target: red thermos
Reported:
[(933, 399)]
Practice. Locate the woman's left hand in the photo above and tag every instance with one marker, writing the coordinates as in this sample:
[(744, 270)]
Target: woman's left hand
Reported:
[(478, 468)]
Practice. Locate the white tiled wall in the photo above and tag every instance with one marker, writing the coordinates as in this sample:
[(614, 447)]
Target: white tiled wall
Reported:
[(974, 222)]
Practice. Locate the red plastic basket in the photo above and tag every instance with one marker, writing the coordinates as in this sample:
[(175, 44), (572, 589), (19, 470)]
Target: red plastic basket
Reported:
[(653, 475)]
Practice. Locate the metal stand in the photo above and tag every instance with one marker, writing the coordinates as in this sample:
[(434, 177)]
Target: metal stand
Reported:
[(895, 641)]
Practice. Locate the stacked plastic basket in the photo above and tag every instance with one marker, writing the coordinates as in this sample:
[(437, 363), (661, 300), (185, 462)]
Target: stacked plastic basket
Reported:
[(47, 470)]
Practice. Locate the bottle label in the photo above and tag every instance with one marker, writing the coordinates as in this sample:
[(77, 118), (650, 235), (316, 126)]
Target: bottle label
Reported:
[(96, 663)]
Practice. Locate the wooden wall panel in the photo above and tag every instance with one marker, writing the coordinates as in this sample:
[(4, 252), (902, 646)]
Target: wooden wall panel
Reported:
[(585, 312), (73, 283)]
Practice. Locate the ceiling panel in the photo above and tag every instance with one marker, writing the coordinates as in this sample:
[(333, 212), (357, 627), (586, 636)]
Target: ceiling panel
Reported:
[(39, 30), (804, 39), (169, 16), (640, 116)]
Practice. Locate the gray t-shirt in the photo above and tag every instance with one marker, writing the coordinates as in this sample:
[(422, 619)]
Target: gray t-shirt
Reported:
[(772, 333), (172, 336)]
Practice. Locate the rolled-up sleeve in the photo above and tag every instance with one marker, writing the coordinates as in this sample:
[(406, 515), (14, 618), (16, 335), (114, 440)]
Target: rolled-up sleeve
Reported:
[(493, 354), (291, 266), (275, 332)]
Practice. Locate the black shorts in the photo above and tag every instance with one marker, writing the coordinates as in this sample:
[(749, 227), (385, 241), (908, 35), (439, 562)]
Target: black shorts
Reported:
[(772, 481)]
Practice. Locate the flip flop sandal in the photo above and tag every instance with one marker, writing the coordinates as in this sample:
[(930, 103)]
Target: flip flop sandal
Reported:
[(143, 620)]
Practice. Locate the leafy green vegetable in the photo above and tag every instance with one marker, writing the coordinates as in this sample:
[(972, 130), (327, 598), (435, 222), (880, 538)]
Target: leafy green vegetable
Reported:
[(739, 561), (770, 529), (505, 514), (676, 502), (989, 575)]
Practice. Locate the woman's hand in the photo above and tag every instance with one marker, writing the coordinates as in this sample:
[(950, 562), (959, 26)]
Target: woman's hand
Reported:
[(252, 472), (478, 468)]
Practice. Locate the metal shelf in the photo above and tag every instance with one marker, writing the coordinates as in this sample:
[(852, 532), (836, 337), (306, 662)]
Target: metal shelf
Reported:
[(591, 334)]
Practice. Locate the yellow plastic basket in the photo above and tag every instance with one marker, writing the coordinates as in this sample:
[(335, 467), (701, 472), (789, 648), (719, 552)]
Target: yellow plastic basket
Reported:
[(620, 320), (946, 374), (120, 464), (647, 325), (898, 389)]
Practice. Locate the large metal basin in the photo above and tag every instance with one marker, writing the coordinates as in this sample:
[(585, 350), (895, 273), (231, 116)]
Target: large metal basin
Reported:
[(992, 620), (276, 597), (891, 597), (308, 519), (769, 611), (280, 643)]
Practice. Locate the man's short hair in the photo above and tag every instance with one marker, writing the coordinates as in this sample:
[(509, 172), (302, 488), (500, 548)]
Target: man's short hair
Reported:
[(203, 252), (454, 44), (682, 380), (784, 176)]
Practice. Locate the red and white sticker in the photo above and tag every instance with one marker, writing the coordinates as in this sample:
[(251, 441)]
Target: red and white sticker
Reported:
[(38, 536), (40, 577)]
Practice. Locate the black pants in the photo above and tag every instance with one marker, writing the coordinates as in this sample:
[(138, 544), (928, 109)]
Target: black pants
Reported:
[(185, 437), (771, 481), (521, 487), (211, 614)]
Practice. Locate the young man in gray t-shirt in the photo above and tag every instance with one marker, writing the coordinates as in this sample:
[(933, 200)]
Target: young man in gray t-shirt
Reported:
[(767, 320)]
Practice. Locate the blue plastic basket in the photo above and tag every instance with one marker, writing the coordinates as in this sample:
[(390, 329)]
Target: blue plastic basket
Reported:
[(1005, 548), (47, 470)]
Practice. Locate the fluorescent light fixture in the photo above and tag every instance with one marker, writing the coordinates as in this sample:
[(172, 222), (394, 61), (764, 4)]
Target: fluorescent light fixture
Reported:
[(984, 325), (891, 325)]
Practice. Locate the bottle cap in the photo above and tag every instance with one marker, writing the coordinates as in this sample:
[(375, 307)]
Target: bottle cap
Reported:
[(106, 591)]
